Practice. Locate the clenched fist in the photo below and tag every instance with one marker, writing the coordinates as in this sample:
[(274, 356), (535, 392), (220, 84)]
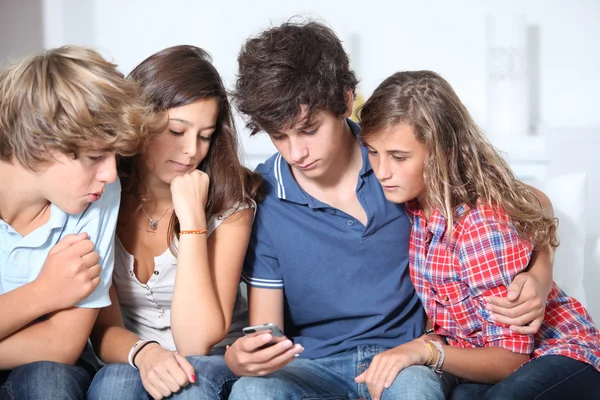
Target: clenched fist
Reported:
[(190, 194), (71, 272)]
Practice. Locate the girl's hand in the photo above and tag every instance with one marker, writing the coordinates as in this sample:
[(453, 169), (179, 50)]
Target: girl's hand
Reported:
[(190, 194), (163, 372), (387, 365)]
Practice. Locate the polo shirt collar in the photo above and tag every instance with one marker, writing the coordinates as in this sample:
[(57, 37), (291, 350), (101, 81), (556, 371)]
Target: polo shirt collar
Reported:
[(287, 187), (57, 220), (57, 217)]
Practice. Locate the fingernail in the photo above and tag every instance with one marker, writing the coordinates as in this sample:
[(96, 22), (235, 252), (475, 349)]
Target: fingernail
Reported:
[(296, 355), (193, 378), (386, 385), (488, 307), (492, 317), (286, 344), (266, 338)]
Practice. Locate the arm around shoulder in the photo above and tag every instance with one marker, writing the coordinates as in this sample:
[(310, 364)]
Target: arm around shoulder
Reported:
[(524, 306), (491, 254)]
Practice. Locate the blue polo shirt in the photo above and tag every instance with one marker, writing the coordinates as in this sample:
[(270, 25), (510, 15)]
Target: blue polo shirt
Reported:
[(22, 258), (345, 284)]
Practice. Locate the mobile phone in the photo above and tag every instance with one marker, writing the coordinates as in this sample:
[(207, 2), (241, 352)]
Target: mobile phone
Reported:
[(271, 328)]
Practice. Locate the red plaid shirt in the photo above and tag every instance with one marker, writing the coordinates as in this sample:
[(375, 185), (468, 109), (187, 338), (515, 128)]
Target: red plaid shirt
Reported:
[(452, 276)]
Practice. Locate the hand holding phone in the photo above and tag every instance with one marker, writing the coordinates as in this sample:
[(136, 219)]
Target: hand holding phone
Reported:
[(251, 356), (271, 328)]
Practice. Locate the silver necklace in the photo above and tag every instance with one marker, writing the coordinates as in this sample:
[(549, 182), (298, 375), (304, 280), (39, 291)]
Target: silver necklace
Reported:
[(154, 222)]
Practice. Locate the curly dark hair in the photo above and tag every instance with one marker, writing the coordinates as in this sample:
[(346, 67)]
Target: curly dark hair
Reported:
[(288, 66)]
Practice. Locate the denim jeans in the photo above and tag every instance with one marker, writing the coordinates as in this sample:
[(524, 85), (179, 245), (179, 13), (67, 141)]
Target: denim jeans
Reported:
[(45, 380), (545, 378), (332, 378), (123, 382)]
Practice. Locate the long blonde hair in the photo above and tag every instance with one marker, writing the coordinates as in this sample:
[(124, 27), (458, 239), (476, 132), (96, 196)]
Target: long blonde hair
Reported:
[(461, 166)]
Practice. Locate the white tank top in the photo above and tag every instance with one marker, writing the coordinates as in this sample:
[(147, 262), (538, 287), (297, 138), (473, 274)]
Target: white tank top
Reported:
[(146, 308)]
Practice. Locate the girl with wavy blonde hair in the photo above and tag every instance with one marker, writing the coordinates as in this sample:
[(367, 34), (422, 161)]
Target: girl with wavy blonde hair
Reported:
[(474, 227)]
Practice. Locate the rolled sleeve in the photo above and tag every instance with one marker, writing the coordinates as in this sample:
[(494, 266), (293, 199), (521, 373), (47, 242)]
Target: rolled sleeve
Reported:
[(261, 266)]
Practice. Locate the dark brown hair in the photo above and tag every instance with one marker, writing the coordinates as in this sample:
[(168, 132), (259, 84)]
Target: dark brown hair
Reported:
[(288, 66), (461, 166), (175, 77)]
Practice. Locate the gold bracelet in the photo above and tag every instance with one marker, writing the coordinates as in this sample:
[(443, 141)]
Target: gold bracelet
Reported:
[(428, 345), (197, 232)]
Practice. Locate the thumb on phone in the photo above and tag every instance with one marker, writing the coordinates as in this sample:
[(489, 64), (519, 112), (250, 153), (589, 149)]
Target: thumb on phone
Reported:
[(186, 367)]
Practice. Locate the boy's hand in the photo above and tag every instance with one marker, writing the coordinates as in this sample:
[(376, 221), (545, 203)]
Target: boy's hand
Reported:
[(247, 357), (70, 273), (524, 306), (387, 365)]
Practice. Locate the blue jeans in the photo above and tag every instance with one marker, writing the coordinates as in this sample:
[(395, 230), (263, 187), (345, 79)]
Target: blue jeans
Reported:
[(45, 380), (547, 377), (123, 382), (332, 378)]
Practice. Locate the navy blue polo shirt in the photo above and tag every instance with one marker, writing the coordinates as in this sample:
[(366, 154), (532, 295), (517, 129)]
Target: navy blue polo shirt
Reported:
[(345, 284)]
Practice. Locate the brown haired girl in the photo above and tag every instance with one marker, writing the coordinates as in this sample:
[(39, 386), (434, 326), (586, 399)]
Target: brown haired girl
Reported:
[(185, 221)]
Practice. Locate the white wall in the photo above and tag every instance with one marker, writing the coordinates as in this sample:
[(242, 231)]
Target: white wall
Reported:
[(448, 37), (21, 29), (69, 22)]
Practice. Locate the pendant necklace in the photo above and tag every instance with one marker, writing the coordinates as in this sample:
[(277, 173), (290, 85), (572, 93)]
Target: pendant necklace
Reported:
[(154, 222)]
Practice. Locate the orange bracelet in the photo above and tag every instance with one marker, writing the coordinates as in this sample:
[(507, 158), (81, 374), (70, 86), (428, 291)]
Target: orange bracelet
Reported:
[(197, 232)]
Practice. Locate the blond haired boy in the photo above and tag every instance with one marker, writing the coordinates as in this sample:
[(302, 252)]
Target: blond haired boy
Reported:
[(64, 116)]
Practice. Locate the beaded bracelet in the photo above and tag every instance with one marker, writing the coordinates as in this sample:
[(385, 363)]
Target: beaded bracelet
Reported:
[(197, 232)]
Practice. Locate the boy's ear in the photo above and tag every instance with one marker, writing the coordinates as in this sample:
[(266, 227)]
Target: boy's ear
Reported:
[(349, 104)]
